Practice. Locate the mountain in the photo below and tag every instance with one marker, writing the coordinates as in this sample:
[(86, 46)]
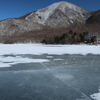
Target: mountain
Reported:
[(95, 18), (48, 22), (59, 14)]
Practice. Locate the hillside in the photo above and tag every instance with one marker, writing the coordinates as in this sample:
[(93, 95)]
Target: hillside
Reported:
[(53, 21)]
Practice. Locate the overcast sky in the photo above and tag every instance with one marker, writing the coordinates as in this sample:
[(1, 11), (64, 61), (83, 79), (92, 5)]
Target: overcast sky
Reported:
[(16, 8)]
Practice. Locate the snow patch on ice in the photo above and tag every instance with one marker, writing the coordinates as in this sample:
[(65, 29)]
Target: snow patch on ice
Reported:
[(9, 61), (49, 56), (96, 96), (58, 59)]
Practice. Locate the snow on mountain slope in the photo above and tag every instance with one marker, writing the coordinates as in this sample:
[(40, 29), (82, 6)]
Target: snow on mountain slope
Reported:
[(60, 12)]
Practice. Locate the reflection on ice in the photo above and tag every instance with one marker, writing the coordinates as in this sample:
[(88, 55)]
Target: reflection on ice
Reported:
[(64, 77)]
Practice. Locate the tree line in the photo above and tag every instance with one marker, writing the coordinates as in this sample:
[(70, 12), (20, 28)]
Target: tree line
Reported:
[(71, 37)]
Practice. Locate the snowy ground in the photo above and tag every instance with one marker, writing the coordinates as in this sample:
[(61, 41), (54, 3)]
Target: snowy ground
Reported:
[(39, 49), (48, 49), (52, 62)]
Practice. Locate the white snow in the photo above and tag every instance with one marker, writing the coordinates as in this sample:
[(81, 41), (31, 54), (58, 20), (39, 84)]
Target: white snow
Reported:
[(45, 13), (63, 5), (58, 59), (96, 96), (49, 56), (8, 61), (38, 49)]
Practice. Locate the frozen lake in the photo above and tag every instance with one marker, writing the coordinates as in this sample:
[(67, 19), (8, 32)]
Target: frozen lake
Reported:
[(36, 72), (59, 77)]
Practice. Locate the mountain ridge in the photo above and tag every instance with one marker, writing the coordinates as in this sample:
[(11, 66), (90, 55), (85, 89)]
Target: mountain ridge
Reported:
[(52, 18), (68, 11)]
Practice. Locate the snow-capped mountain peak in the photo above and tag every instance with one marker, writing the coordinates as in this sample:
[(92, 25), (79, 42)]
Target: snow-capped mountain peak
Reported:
[(66, 8), (63, 5)]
